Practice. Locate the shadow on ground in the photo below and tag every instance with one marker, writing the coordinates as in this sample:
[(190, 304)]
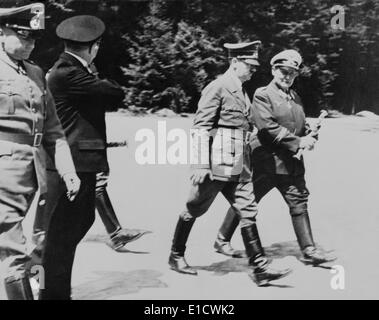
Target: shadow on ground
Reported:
[(111, 284), (275, 251)]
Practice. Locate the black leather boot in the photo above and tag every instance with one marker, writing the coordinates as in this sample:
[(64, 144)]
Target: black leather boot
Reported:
[(176, 260), (303, 231), (262, 273), (119, 236), (18, 289), (225, 234)]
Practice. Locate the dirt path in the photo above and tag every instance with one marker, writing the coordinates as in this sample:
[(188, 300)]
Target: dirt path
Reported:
[(342, 175)]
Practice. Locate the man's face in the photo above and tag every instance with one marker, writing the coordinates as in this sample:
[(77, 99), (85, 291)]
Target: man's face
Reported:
[(284, 76), (18, 43), (243, 70)]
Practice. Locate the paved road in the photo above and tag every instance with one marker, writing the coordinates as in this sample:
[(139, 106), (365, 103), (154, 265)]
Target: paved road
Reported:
[(342, 175)]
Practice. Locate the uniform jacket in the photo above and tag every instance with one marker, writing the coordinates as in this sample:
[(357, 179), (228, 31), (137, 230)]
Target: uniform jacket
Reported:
[(221, 128), (81, 100), (27, 108), (280, 120)]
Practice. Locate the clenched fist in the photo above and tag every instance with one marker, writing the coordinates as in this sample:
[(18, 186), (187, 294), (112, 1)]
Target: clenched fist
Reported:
[(307, 142), (199, 175)]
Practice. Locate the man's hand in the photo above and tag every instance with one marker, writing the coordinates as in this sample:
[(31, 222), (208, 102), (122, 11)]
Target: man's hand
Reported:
[(307, 142), (72, 184), (198, 175)]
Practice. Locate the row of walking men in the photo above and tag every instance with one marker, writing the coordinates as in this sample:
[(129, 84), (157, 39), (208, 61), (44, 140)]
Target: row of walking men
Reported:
[(53, 138)]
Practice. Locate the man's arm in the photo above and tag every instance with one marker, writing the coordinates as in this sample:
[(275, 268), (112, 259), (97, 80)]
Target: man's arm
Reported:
[(205, 120), (83, 85), (268, 125), (56, 146)]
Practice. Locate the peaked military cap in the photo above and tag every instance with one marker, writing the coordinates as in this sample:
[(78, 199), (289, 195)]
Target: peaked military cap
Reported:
[(83, 28), (28, 17), (247, 51), (287, 58)]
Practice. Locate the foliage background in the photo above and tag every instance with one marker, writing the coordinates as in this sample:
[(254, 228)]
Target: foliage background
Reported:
[(165, 51)]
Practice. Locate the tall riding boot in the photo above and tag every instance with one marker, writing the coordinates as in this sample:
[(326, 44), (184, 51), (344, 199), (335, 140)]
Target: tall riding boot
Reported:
[(303, 231), (224, 236), (119, 236), (262, 272), (18, 289), (176, 260)]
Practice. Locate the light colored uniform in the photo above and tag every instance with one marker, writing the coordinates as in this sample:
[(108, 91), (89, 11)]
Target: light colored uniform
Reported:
[(224, 123), (28, 123)]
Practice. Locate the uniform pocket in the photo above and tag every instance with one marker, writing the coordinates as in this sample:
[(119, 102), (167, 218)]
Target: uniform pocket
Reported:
[(6, 98)]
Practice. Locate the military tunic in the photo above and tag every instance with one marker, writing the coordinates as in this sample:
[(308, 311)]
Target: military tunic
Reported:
[(224, 124), (28, 123)]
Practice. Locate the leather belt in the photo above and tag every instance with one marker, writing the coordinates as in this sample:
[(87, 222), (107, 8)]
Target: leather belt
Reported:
[(31, 140)]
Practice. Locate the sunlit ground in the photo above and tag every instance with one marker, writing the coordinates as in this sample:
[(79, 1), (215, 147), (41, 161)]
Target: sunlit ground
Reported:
[(342, 175)]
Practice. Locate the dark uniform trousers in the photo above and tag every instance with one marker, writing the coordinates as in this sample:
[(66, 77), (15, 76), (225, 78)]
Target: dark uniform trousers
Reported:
[(292, 188), (281, 122), (69, 223)]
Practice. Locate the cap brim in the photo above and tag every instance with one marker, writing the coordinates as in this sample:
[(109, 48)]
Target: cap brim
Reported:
[(252, 62), (285, 65)]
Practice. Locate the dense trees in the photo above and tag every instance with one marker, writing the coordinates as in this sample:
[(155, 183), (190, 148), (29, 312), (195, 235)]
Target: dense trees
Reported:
[(165, 51)]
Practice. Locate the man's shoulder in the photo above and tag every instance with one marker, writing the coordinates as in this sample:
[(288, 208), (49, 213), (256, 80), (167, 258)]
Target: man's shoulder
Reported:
[(217, 84), (62, 68), (262, 92)]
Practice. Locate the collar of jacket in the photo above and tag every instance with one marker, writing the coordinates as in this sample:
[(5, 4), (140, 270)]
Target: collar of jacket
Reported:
[(277, 90), (231, 84), (80, 59), (71, 59), (5, 58)]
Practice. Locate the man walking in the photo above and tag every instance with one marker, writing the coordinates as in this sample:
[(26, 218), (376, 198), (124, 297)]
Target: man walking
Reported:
[(279, 116), (223, 124), (81, 100), (28, 124)]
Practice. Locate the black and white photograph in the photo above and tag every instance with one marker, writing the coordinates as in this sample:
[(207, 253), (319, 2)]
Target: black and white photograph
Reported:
[(189, 154)]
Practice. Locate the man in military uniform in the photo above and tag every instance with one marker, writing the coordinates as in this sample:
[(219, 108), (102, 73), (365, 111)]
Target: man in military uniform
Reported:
[(81, 100), (223, 124), (280, 119), (28, 123)]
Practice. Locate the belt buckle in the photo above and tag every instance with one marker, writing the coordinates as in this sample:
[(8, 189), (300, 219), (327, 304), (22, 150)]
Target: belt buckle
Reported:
[(37, 139)]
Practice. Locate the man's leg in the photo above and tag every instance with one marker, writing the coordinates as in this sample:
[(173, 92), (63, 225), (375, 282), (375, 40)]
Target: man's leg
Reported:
[(200, 199), (262, 185), (295, 193), (43, 215), (119, 236), (69, 223), (241, 198), (13, 251)]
